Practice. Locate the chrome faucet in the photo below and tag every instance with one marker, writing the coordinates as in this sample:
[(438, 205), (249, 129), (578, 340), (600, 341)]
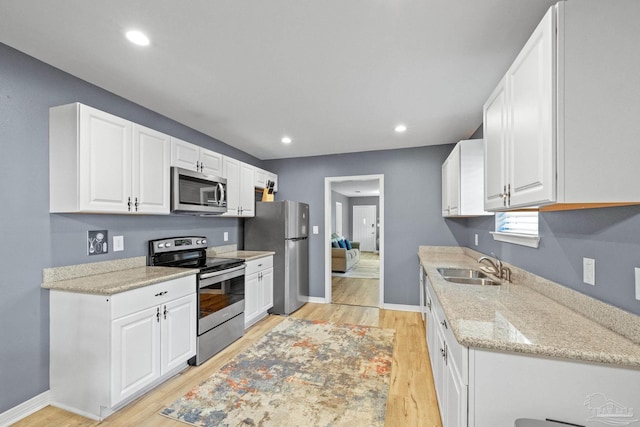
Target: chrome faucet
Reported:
[(495, 267)]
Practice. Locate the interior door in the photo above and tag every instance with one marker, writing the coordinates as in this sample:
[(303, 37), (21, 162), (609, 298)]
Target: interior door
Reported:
[(365, 227)]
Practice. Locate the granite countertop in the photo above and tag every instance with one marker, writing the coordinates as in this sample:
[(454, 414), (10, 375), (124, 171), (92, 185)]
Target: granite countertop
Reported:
[(114, 282), (516, 318), (245, 255)]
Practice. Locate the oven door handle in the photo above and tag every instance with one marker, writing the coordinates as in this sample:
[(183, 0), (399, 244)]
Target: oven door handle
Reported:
[(221, 272)]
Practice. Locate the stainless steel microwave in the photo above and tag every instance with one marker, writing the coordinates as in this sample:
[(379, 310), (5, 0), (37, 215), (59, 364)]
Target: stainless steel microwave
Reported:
[(196, 193)]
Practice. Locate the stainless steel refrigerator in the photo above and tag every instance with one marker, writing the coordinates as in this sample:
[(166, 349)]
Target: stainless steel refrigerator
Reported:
[(283, 227)]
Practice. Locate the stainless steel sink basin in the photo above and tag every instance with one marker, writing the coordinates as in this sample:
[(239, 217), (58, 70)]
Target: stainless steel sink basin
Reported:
[(466, 276), (461, 272), (472, 281)]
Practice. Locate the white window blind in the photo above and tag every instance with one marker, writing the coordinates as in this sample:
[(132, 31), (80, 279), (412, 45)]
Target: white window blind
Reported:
[(517, 222), (520, 228)]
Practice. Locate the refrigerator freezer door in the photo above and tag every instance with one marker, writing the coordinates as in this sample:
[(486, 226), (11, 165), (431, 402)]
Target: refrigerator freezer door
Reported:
[(296, 274), (296, 220)]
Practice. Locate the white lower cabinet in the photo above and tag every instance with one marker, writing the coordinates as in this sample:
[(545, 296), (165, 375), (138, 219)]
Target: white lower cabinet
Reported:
[(258, 289), (106, 350), (485, 388), (448, 364)]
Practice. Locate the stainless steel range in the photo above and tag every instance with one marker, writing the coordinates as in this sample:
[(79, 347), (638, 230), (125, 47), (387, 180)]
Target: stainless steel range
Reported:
[(220, 290)]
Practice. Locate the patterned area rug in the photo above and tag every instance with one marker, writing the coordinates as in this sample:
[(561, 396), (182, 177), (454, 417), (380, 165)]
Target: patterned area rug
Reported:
[(302, 373), (365, 269)]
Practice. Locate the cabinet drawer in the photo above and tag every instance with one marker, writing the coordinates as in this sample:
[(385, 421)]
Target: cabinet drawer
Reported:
[(138, 299), (259, 264)]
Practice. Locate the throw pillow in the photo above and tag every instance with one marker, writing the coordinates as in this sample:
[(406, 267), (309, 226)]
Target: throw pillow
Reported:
[(348, 243), (334, 244), (342, 244)]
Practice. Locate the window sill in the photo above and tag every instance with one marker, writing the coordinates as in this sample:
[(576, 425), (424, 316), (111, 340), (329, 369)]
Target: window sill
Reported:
[(517, 239)]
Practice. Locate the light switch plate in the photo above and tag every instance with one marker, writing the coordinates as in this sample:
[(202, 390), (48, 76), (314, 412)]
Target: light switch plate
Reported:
[(637, 270), (315, 229), (476, 240), (118, 243), (589, 271), (225, 236)]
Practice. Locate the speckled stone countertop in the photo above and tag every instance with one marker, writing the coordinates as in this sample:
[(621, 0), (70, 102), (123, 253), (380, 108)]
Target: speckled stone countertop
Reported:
[(245, 255), (110, 277), (518, 317)]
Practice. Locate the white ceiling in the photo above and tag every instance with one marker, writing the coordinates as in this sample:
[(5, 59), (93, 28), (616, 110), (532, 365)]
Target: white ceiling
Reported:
[(357, 188), (334, 75)]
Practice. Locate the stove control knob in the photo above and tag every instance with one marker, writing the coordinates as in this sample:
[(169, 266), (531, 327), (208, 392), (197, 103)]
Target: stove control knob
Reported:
[(204, 241), (167, 244), (198, 242), (161, 245)]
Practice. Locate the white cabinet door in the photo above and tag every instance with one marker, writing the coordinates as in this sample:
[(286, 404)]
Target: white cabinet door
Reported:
[(185, 155), (247, 190), (135, 353), (438, 367), (231, 171), (260, 178), (532, 142), (240, 190), (210, 162), (455, 401), (495, 148), (251, 299), (179, 332), (451, 183), (150, 171), (105, 161), (266, 289)]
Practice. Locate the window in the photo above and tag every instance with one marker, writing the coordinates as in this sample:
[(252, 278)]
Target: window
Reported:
[(520, 228)]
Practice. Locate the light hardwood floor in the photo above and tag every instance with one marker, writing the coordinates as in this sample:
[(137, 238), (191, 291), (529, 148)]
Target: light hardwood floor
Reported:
[(357, 291), (411, 402)]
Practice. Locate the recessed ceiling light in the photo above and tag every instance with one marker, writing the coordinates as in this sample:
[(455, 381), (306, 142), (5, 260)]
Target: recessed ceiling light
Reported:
[(137, 37), (286, 140), (400, 128)]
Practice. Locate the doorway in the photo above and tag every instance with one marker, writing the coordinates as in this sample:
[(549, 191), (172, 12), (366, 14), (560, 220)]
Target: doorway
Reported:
[(371, 254)]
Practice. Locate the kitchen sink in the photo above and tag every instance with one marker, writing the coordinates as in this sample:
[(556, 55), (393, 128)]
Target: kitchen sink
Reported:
[(466, 276)]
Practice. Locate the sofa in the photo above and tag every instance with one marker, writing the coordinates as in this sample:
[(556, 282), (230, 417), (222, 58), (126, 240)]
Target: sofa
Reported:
[(343, 259)]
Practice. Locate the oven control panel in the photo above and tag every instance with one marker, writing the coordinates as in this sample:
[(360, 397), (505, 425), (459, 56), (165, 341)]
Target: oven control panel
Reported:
[(173, 244)]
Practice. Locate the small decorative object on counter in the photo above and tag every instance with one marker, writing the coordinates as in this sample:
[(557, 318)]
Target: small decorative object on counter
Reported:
[(267, 193)]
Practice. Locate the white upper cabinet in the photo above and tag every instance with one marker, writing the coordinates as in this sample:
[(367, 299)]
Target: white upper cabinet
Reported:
[(240, 187), (104, 164), (462, 177), (189, 156), (262, 177), (554, 122), (150, 166)]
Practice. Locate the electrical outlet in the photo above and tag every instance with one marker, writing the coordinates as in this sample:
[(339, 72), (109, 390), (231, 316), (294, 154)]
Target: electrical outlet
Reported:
[(589, 271), (118, 243), (315, 229), (637, 270), (226, 236), (476, 240)]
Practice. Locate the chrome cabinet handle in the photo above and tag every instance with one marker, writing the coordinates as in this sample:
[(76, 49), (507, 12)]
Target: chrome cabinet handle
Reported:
[(136, 204), (129, 204), (158, 315), (165, 312), (159, 294), (444, 323)]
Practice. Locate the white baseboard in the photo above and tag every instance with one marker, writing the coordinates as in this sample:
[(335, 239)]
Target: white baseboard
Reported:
[(25, 409), (402, 307), (317, 300)]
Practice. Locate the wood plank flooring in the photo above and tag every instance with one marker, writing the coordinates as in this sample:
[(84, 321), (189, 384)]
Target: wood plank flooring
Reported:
[(357, 291), (411, 402)]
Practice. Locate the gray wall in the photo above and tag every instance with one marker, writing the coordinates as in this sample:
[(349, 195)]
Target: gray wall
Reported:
[(611, 236), (33, 239), (412, 210), (346, 225)]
